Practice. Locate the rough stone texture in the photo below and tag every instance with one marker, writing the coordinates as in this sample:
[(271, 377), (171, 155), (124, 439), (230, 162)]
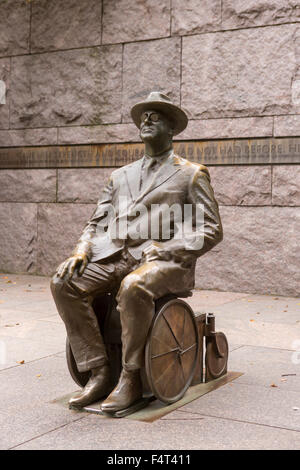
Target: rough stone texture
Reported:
[(82, 185), (237, 185), (14, 27), (196, 129), (133, 20), (67, 88), (110, 133), (28, 137), (286, 126), (27, 185), (259, 253), (65, 25), (18, 237), (247, 13), (286, 185), (227, 128), (161, 73), (231, 74), (5, 78), (59, 228), (195, 16)]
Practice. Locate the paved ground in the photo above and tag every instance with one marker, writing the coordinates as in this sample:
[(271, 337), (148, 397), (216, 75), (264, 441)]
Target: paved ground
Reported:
[(259, 410)]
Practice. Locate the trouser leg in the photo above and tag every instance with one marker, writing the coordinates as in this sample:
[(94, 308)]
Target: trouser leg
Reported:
[(73, 299), (136, 304)]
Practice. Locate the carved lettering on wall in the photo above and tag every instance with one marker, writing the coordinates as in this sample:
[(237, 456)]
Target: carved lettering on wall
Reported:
[(225, 152)]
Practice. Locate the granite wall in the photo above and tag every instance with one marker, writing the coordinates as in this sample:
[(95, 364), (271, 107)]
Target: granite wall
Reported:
[(72, 69)]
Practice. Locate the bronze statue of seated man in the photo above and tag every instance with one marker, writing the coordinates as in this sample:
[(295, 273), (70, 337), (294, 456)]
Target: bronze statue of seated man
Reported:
[(142, 267)]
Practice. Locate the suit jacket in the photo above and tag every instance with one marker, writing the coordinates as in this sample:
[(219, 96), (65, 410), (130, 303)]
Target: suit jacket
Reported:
[(178, 182)]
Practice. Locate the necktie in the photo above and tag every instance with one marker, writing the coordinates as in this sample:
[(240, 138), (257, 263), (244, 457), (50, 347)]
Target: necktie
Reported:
[(150, 167)]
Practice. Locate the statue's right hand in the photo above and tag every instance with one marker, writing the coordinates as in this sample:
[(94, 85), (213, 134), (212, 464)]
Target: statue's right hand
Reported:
[(78, 262)]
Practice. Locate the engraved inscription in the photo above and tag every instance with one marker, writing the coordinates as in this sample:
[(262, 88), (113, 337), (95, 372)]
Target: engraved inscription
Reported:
[(225, 152)]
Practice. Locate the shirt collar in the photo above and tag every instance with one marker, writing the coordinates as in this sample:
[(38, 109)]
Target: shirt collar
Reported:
[(160, 158)]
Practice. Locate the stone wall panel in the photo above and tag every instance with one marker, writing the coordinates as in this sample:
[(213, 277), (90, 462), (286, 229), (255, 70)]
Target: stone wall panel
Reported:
[(197, 129), (65, 25), (59, 227), (82, 185), (286, 185), (18, 247), (195, 16), (14, 27), (132, 20), (27, 185), (228, 128), (141, 76), (28, 137), (286, 126), (67, 88), (249, 13), (109, 133), (259, 253), (240, 73), (242, 186)]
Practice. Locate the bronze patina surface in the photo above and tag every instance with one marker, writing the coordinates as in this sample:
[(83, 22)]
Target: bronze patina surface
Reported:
[(140, 267)]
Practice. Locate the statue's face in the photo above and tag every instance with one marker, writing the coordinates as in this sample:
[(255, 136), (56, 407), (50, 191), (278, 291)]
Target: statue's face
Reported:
[(155, 126)]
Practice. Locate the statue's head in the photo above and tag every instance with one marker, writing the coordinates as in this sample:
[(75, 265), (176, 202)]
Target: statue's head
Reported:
[(158, 118), (155, 126)]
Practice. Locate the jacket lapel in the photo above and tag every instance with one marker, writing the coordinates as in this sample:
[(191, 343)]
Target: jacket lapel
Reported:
[(134, 174), (133, 178), (166, 171)]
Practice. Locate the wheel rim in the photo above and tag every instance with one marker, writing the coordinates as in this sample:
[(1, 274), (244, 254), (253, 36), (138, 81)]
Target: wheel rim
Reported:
[(171, 351), (216, 364)]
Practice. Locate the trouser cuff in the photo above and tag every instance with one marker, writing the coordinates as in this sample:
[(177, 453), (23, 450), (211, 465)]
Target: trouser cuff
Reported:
[(92, 364)]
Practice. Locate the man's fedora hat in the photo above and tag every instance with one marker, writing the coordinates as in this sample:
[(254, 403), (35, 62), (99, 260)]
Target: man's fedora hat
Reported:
[(160, 102)]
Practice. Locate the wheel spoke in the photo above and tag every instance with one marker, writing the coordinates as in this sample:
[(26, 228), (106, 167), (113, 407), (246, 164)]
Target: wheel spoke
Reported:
[(181, 368), (163, 343), (165, 353), (171, 331), (189, 348), (182, 339)]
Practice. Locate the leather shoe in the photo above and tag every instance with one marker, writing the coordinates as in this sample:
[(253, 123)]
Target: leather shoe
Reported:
[(128, 391), (97, 387)]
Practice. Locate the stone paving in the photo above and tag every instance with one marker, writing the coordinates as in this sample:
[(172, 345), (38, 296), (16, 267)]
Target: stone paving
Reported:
[(259, 410)]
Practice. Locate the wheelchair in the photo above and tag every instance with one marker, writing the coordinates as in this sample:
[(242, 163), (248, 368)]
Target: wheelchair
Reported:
[(174, 351)]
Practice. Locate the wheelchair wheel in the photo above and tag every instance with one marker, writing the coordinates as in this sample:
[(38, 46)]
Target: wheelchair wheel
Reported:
[(216, 357), (171, 351)]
